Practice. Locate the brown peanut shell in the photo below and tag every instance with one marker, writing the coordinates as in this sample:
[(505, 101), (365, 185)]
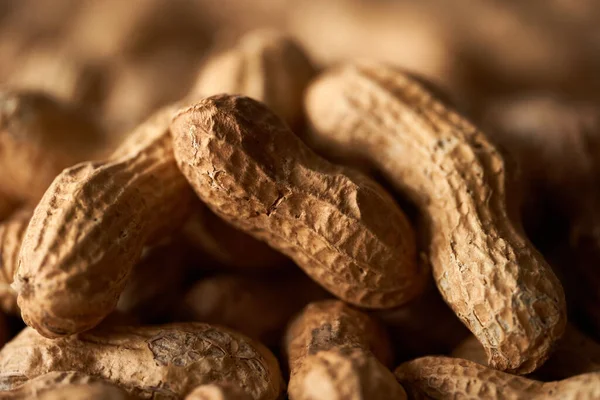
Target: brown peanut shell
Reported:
[(90, 227), (486, 269), (218, 391), (438, 377), (159, 362), (259, 307), (342, 228)]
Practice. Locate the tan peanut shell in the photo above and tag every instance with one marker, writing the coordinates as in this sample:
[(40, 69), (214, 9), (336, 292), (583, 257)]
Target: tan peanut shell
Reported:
[(230, 247), (159, 362), (52, 70), (342, 228), (66, 386), (11, 235), (259, 307), (575, 354), (156, 282), (90, 227), (336, 352), (265, 65), (485, 268), (218, 391), (438, 377), (39, 137)]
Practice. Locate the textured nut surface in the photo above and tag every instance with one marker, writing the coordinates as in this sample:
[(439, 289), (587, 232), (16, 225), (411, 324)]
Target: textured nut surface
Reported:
[(259, 307), (451, 378), (336, 352), (218, 391), (11, 235), (489, 273), (165, 361), (89, 229), (342, 228), (65, 386), (265, 65), (39, 137)]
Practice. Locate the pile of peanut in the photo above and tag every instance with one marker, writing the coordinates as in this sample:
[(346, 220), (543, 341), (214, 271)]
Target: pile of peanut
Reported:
[(342, 199)]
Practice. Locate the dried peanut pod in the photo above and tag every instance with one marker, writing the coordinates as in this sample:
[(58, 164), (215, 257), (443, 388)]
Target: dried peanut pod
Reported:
[(575, 354), (341, 227), (90, 227), (39, 137), (228, 246), (166, 361), (156, 281), (336, 352), (218, 391), (65, 386), (52, 70), (11, 236), (265, 65), (486, 269), (259, 307), (450, 378)]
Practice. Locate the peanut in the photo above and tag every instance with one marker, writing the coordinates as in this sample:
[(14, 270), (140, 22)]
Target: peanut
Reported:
[(39, 137), (64, 386), (166, 361), (575, 354), (11, 236), (265, 65), (90, 227), (487, 271), (218, 391), (449, 378), (258, 307), (342, 228), (336, 352), (156, 282)]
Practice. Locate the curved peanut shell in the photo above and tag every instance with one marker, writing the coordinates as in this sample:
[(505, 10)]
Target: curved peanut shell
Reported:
[(159, 362), (342, 228), (11, 236), (90, 227), (335, 351), (445, 378), (66, 385), (487, 271), (39, 137), (265, 65), (218, 391)]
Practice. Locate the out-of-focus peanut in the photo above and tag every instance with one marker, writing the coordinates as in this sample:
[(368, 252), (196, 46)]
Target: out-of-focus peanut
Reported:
[(336, 352), (11, 237), (166, 361)]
